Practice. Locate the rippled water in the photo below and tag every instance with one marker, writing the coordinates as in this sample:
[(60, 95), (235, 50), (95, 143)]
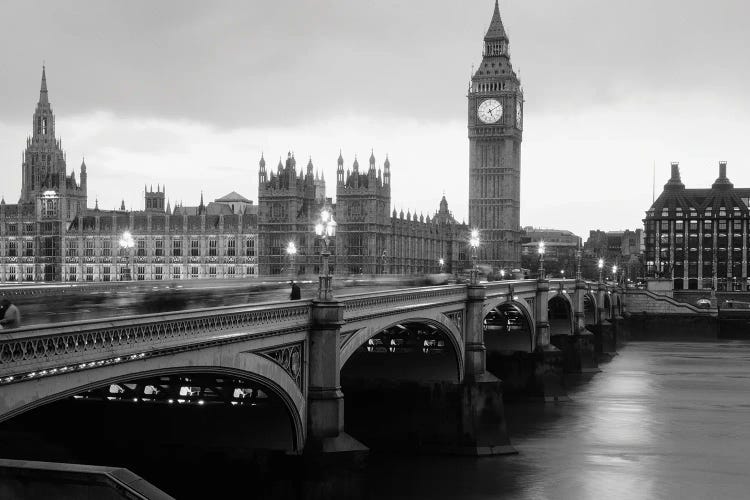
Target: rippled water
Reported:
[(662, 420)]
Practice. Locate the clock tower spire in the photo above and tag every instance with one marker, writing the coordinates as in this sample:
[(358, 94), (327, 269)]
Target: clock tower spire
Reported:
[(495, 122)]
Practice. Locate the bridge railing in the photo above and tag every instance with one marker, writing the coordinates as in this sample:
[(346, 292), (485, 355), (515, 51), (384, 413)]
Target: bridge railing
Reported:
[(51, 349)]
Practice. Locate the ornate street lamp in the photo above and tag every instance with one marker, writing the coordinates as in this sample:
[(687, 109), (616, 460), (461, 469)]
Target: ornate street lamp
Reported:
[(600, 264), (291, 251), (502, 274), (578, 264), (614, 273), (127, 244), (442, 263), (562, 274), (325, 229), (541, 260), (474, 242)]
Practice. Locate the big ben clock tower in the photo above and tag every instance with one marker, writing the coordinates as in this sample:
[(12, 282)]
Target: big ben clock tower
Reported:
[(495, 130)]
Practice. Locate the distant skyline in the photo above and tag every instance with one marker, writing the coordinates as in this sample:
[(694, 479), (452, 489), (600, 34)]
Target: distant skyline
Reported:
[(188, 94)]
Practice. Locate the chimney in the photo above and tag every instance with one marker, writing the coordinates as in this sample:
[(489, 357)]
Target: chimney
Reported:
[(674, 181), (722, 181), (675, 171)]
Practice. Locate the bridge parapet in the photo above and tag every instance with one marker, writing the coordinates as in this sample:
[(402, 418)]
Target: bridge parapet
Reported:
[(39, 351), (360, 306), (523, 287)]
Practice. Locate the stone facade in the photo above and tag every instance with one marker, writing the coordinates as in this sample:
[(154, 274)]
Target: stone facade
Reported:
[(495, 123), (370, 239), (51, 235)]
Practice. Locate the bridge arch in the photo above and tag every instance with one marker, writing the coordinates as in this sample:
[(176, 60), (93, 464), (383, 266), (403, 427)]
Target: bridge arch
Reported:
[(439, 321), (607, 306), (522, 306), (23, 397), (500, 318), (560, 313), (590, 308)]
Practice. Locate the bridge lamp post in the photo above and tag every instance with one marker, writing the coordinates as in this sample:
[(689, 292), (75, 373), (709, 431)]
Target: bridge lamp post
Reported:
[(291, 251), (541, 250), (502, 274), (578, 265), (614, 273), (562, 274), (442, 263), (127, 244), (474, 242), (325, 229), (600, 264)]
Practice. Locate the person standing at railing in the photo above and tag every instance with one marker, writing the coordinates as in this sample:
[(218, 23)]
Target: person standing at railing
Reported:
[(10, 316), (296, 294)]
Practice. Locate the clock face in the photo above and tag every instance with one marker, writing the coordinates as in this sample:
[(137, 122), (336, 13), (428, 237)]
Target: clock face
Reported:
[(490, 111), (518, 114)]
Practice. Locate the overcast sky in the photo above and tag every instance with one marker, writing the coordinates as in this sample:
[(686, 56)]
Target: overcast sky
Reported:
[(189, 93)]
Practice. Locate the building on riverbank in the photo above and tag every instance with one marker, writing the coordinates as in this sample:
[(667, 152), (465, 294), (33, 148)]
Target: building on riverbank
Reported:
[(52, 235), (699, 237)]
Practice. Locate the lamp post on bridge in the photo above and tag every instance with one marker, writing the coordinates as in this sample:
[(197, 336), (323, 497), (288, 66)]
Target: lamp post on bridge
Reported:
[(614, 273), (562, 274), (600, 264), (474, 242), (441, 262), (127, 244), (578, 265), (502, 274), (325, 229), (541, 260), (291, 251)]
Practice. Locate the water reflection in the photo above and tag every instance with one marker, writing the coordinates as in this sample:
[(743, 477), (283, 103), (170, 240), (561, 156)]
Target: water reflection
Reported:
[(662, 420)]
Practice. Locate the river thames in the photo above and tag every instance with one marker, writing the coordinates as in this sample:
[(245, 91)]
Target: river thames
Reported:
[(661, 420)]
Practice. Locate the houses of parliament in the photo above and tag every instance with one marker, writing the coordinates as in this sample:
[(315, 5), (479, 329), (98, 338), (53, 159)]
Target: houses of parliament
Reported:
[(53, 235)]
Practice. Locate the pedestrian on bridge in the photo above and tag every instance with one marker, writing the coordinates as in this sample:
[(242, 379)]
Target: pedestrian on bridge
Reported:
[(296, 294), (10, 316)]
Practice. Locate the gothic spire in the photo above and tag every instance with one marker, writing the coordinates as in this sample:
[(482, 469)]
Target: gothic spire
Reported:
[(43, 90), (496, 30)]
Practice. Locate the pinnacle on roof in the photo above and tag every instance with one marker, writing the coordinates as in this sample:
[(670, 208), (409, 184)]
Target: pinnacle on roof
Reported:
[(372, 157), (262, 161), (83, 163), (43, 89), (387, 163), (341, 158), (356, 163), (309, 163), (496, 30)]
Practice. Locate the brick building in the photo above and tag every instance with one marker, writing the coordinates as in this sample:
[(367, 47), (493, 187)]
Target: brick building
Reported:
[(699, 237)]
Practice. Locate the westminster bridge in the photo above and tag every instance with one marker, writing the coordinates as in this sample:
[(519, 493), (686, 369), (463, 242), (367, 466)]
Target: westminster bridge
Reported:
[(431, 358)]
